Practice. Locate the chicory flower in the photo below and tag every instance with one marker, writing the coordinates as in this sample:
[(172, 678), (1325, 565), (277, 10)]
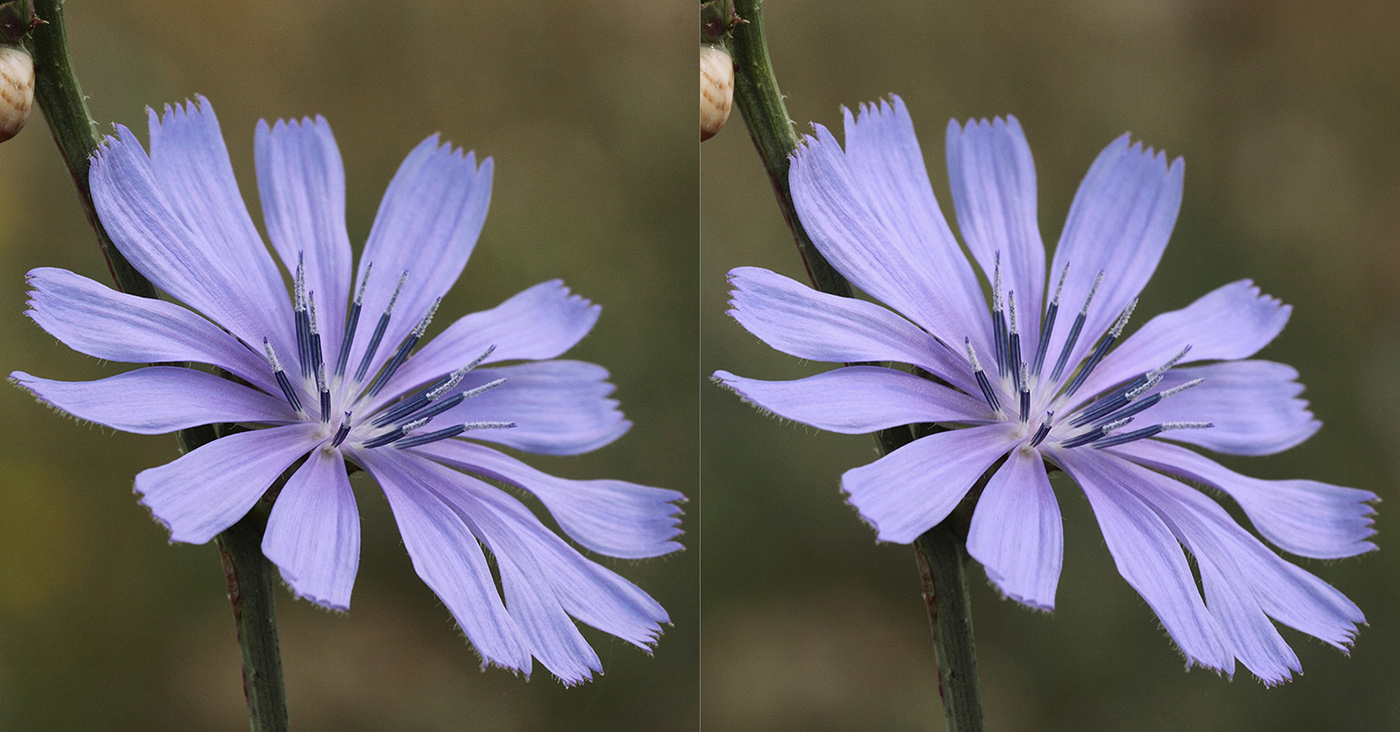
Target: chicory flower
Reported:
[(1035, 381), (328, 378)]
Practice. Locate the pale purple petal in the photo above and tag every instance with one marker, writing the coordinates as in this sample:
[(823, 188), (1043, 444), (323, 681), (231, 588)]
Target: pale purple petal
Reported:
[(802, 322), (588, 591), (558, 407), (871, 212), (427, 226), (94, 319), (1253, 405), (547, 629), (539, 323), (137, 212), (302, 185), (1213, 539), (192, 167), (313, 533), (208, 490), (993, 182), (912, 489), (1119, 223), (1149, 558), (1245, 583), (859, 399), (1304, 517), (1230, 322), (158, 399), (1016, 531), (446, 555), (611, 517)]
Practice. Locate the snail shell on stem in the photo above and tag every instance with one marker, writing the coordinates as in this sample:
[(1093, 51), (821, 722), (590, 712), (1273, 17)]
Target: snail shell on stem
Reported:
[(16, 90), (716, 89)]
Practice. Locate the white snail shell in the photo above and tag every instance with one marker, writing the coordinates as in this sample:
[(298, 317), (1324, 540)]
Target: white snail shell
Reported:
[(716, 89), (16, 90)]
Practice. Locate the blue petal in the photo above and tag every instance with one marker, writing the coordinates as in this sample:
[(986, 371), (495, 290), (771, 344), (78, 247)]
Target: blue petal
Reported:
[(551, 634), (302, 185), (1245, 583), (1304, 517), (539, 323), (158, 399), (1228, 323), (611, 517), (447, 556), (1119, 223), (192, 166), (94, 319), (558, 407), (178, 220), (586, 590), (1016, 531), (871, 212), (859, 399), (313, 533), (208, 490), (427, 226), (910, 490), (802, 322), (993, 182), (1149, 557), (1254, 406)]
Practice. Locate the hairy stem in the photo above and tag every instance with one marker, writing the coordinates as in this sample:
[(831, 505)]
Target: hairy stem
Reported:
[(939, 552), (250, 579)]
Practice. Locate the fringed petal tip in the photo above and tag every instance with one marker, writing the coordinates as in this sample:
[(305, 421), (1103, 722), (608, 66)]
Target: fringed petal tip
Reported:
[(121, 140), (1030, 603), (436, 146), (338, 607), (317, 123)]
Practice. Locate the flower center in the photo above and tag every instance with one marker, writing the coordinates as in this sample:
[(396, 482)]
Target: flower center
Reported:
[(1093, 423), (394, 424)]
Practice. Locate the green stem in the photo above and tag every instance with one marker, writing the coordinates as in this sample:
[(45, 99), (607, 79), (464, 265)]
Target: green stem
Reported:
[(251, 583), (758, 99), (65, 109), (939, 552), (250, 579)]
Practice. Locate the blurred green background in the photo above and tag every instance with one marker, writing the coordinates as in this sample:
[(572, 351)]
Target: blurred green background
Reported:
[(1287, 114), (589, 114)]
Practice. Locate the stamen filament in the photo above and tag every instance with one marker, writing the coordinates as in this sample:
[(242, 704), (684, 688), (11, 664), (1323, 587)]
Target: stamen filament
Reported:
[(343, 432), (1018, 368), (1025, 393), (1075, 329), (453, 431), (1114, 401), (302, 318), (379, 330), (981, 375), (317, 358), (431, 392), (325, 390), (282, 381), (351, 322), (1049, 325), (1094, 434), (1099, 352), (999, 338), (1044, 430), (404, 349), (1149, 432)]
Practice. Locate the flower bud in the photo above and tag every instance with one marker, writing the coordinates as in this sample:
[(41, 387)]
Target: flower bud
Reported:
[(16, 90), (716, 89)]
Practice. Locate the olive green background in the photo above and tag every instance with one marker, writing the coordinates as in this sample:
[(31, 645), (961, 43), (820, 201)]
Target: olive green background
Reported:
[(589, 114), (1287, 114)]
